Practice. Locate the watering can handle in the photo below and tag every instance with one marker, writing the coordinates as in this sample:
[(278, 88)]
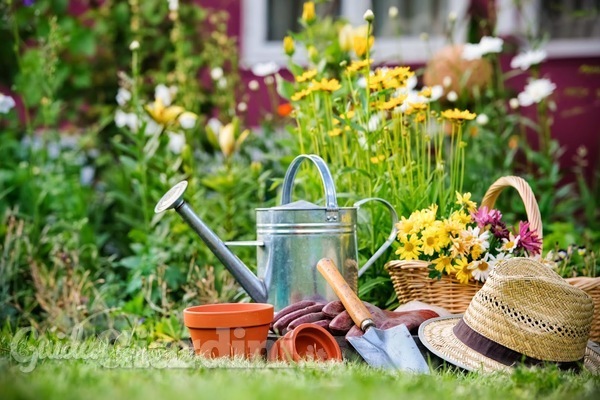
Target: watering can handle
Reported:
[(391, 238), (288, 180)]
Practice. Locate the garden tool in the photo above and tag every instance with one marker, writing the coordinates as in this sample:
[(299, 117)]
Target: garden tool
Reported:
[(389, 348), (291, 238)]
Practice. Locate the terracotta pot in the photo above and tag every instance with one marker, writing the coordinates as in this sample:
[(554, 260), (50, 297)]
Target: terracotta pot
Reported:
[(306, 342), (229, 329)]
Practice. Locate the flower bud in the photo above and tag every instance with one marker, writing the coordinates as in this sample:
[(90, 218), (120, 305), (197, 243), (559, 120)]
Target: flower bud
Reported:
[(308, 12), (369, 16), (227, 139), (288, 46)]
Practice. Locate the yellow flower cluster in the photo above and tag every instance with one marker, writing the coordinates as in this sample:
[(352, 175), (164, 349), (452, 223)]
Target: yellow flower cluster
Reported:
[(390, 78), (356, 66), (450, 244), (325, 85)]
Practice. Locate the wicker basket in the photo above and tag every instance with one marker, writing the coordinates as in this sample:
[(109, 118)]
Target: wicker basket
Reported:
[(592, 287), (411, 278)]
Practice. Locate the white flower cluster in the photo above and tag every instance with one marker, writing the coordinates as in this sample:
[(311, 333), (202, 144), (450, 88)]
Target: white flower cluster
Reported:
[(164, 96), (486, 45)]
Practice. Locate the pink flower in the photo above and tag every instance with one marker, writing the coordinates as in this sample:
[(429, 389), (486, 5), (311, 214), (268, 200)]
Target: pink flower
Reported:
[(530, 242), (492, 218), (485, 216)]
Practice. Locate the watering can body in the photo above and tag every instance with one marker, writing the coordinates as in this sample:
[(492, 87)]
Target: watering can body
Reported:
[(290, 240), (295, 236)]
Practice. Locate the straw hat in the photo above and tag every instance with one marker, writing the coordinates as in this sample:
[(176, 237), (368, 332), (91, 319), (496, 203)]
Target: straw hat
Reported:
[(525, 312)]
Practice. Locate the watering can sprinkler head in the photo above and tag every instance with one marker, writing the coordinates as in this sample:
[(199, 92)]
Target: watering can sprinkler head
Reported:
[(172, 199)]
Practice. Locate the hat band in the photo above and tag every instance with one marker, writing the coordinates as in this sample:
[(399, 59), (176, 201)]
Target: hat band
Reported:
[(500, 353)]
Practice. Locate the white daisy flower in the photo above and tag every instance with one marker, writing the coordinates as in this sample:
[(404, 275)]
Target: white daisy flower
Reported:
[(164, 93), (481, 268), (493, 260), (528, 58), (482, 119), (265, 69), (509, 244), (6, 103), (123, 96), (187, 120), (535, 91), (216, 73), (176, 142)]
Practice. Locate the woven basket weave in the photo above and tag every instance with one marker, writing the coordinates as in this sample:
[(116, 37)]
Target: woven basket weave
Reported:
[(411, 278)]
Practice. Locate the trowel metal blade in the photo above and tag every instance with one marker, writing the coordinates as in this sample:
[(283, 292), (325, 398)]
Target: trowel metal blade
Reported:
[(392, 348)]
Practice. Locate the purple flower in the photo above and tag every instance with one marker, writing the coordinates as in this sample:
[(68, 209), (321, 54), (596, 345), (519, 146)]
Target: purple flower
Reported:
[(28, 3), (485, 216), (499, 230), (529, 240)]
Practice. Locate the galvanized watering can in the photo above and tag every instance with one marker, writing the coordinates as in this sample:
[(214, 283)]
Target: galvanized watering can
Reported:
[(290, 239)]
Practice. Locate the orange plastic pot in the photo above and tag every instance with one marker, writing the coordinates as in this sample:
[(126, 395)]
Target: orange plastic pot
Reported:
[(306, 342), (229, 329)]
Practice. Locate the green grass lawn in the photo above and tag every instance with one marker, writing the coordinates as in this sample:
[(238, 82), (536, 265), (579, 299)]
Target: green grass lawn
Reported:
[(105, 371)]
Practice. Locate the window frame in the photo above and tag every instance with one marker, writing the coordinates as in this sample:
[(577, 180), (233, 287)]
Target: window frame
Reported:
[(405, 49), (509, 22), (256, 49)]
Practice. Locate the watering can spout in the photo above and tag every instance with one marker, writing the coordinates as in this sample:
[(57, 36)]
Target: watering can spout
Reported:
[(173, 199)]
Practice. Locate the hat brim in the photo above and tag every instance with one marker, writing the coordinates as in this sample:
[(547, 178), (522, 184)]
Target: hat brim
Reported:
[(437, 335)]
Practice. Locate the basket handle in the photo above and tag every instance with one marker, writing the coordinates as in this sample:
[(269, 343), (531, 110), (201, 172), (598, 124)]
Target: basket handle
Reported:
[(531, 206)]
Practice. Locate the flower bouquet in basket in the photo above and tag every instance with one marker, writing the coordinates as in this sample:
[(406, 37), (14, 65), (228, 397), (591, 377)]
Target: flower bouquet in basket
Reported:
[(445, 259), (467, 244)]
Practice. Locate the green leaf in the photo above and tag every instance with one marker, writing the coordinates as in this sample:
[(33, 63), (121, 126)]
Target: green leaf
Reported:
[(83, 42), (285, 88)]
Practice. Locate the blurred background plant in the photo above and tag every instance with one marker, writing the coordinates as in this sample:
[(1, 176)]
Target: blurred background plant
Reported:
[(106, 108)]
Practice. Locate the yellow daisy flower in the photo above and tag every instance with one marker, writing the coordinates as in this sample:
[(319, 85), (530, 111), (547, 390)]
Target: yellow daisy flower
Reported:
[(407, 226), (464, 200), (457, 115), (330, 85), (476, 251), (460, 246), (431, 241), (463, 272), (307, 75), (461, 217), (444, 264), (300, 95), (409, 248), (356, 66)]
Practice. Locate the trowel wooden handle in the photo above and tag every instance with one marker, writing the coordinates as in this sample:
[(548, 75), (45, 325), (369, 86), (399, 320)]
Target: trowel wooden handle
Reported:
[(357, 310)]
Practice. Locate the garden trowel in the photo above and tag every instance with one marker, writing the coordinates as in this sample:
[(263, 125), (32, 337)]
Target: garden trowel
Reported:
[(389, 348)]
